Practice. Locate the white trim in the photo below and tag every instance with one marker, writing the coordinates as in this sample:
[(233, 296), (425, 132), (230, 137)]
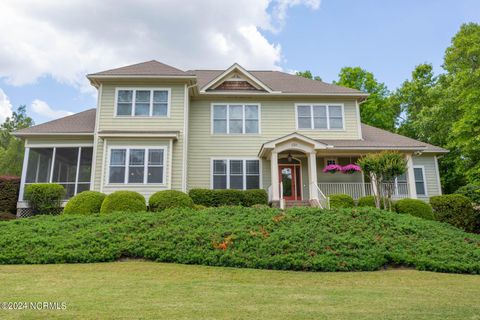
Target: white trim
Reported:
[(59, 145), (359, 121), (127, 159), (24, 172), (95, 139), (186, 115), (134, 90), (281, 94), (243, 104), (260, 172), (47, 134), (78, 169), (102, 176), (108, 76), (424, 180), (437, 172), (170, 164), (230, 70), (327, 106), (139, 135)]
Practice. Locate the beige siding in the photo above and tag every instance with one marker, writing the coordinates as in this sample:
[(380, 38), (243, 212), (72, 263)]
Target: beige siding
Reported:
[(277, 120), (431, 177), (108, 121)]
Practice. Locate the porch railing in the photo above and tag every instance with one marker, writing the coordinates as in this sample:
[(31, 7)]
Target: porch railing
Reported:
[(359, 189), (322, 199)]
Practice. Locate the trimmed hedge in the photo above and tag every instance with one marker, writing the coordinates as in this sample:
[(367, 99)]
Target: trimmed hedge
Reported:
[(341, 201), (45, 198), (369, 201), (255, 197), (127, 201), (455, 209), (415, 207), (306, 239), (162, 200), (86, 202), (9, 189), (470, 191), (228, 197)]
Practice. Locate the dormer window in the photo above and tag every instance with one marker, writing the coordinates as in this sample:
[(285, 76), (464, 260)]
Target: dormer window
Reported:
[(143, 102)]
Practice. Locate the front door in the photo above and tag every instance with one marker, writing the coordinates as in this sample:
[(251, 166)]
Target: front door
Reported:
[(288, 176)]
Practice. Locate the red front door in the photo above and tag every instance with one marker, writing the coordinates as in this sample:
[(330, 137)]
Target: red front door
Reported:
[(287, 175)]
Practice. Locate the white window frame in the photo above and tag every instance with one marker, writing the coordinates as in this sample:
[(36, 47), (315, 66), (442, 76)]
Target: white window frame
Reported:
[(244, 159), (145, 165), (29, 146), (334, 159), (327, 105), (228, 104), (424, 180), (150, 115)]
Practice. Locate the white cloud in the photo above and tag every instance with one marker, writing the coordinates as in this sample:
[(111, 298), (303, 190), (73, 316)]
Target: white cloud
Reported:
[(5, 106), (67, 39), (43, 109)]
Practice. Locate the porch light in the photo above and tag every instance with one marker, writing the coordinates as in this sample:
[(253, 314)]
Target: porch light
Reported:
[(289, 157)]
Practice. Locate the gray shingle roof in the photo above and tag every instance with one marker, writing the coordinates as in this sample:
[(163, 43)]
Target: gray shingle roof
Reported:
[(148, 68), (280, 81), (79, 123), (376, 138)]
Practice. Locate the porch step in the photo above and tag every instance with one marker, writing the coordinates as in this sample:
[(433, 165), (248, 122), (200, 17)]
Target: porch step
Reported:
[(297, 203)]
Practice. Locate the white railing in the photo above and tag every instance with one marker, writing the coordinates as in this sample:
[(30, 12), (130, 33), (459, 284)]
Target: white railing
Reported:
[(359, 189), (321, 200)]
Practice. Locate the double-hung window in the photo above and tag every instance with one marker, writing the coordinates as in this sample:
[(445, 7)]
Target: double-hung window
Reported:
[(320, 116), (137, 165), (419, 175), (236, 174), (235, 118), (143, 102)]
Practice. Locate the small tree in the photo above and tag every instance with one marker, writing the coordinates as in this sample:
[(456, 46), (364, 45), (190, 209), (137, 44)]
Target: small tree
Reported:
[(382, 168)]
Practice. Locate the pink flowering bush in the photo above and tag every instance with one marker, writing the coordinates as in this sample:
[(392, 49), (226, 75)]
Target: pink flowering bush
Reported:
[(351, 168), (332, 168)]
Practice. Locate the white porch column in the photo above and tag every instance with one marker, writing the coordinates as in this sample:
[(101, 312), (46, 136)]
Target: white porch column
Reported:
[(24, 173), (274, 175), (412, 190), (312, 174)]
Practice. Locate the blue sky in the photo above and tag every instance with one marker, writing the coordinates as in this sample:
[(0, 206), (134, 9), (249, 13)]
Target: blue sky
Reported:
[(44, 68)]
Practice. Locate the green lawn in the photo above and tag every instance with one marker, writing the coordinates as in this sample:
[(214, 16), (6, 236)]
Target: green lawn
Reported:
[(148, 290)]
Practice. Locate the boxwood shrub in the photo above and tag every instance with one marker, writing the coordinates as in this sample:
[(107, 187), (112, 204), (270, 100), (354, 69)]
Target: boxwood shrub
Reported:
[(86, 202), (470, 191), (204, 197), (341, 201), (415, 207), (162, 200), (455, 209), (44, 198), (127, 201), (9, 188), (255, 197)]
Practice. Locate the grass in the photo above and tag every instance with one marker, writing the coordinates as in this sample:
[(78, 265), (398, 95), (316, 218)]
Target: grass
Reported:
[(148, 290)]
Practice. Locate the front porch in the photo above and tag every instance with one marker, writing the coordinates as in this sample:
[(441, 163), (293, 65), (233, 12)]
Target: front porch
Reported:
[(297, 163)]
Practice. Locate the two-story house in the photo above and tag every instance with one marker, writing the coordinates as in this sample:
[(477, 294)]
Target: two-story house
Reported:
[(157, 127)]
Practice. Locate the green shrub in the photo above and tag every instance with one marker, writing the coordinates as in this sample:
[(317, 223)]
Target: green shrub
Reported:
[(5, 216), (415, 207), (128, 201), (470, 191), (369, 201), (260, 206), (255, 196), (229, 197), (44, 198), (9, 189), (162, 200), (204, 197), (86, 202), (199, 207), (341, 201), (455, 209), (307, 239)]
